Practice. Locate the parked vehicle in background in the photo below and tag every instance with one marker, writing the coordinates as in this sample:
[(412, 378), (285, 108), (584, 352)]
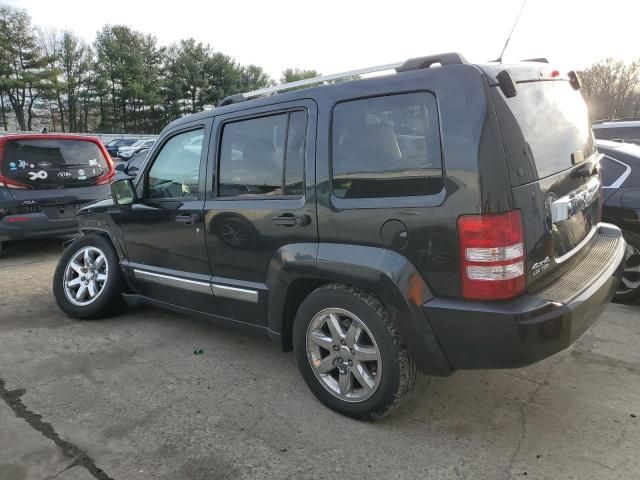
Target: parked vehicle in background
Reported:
[(424, 221), (627, 131), (621, 187), (130, 151), (45, 178), (113, 146), (131, 167)]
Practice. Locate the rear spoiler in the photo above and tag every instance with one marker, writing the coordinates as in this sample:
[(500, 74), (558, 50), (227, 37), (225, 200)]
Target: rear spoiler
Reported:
[(508, 76)]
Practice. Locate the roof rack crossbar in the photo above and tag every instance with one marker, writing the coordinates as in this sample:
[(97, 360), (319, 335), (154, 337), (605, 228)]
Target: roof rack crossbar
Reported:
[(411, 64)]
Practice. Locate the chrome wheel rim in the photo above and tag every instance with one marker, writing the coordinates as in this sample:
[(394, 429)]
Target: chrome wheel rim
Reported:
[(631, 271), (344, 355), (85, 276)]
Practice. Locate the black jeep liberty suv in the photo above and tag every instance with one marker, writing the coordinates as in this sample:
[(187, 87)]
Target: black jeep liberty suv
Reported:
[(443, 217)]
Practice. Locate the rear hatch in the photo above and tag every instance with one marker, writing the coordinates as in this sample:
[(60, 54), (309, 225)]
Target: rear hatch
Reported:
[(553, 168), (56, 163)]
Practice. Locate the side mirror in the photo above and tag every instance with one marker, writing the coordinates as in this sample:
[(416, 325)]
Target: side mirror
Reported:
[(123, 192), (121, 167)]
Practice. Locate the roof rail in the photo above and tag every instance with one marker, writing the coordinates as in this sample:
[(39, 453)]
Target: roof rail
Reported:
[(536, 60), (442, 59)]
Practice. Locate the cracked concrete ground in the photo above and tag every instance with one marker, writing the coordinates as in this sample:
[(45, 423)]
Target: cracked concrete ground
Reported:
[(126, 398)]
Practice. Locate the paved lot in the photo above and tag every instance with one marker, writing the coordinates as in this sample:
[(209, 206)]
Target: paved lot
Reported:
[(126, 398)]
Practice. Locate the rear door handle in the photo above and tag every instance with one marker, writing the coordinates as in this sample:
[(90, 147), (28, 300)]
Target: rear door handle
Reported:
[(291, 220), (188, 219)]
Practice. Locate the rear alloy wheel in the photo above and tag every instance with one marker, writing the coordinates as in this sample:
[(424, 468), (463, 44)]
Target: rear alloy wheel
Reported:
[(344, 355), (87, 282), (629, 287), (350, 353)]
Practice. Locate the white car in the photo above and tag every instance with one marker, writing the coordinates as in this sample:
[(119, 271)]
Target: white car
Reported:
[(130, 151)]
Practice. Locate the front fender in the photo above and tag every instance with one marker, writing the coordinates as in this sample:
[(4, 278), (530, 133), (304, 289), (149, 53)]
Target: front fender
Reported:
[(103, 217), (386, 273)]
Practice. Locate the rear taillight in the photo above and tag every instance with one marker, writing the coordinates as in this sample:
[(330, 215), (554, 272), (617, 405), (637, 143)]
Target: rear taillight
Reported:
[(492, 255)]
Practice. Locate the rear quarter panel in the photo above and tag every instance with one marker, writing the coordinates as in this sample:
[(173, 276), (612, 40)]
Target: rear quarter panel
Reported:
[(467, 132)]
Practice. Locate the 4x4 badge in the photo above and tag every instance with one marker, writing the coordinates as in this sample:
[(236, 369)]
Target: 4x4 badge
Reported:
[(540, 266)]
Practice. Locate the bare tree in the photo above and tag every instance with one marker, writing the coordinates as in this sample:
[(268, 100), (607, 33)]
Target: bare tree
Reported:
[(611, 88)]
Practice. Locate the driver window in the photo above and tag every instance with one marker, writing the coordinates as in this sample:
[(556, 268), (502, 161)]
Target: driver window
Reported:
[(176, 170)]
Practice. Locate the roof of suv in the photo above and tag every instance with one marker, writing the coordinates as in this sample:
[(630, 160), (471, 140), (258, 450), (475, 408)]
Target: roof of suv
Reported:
[(536, 69)]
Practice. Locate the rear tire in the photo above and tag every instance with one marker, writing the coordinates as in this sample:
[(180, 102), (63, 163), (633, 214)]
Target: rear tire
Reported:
[(629, 288), (88, 282), (350, 354)]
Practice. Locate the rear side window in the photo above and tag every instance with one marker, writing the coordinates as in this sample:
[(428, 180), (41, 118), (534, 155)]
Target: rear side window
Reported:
[(50, 163), (553, 125), (263, 156), (611, 171), (386, 147)]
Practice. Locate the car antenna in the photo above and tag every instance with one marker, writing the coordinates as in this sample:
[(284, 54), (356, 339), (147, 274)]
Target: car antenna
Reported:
[(499, 59)]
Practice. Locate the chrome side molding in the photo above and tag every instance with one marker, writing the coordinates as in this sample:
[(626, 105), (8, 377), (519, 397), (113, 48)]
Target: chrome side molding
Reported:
[(215, 289), (171, 281), (234, 293)]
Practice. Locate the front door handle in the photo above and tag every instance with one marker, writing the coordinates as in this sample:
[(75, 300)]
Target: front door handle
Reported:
[(291, 220), (188, 219)]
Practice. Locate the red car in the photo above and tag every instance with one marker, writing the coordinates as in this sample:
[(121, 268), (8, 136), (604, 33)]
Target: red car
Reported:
[(45, 178)]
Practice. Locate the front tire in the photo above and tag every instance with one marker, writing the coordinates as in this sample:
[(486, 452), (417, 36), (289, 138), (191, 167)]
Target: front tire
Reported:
[(87, 282), (350, 354)]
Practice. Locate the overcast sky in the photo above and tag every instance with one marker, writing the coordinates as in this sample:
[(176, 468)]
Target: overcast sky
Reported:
[(337, 35)]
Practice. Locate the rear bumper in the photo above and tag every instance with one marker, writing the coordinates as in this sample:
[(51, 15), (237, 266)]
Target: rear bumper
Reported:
[(35, 225), (531, 327), (44, 213)]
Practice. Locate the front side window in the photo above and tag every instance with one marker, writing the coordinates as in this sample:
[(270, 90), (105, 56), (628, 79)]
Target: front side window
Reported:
[(386, 147), (175, 172), (263, 156)]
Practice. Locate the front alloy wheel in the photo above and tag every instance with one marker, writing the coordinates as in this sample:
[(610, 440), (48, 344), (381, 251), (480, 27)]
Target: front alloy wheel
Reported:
[(85, 276), (88, 282)]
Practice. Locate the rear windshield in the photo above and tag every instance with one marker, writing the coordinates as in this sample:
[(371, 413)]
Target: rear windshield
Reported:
[(44, 163), (553, 128)]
